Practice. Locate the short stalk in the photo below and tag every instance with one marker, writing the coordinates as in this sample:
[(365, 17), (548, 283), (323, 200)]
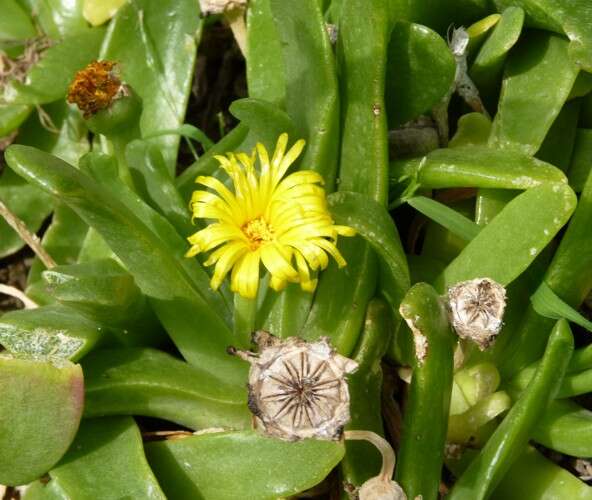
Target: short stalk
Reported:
[(245, 311), (386, 450)]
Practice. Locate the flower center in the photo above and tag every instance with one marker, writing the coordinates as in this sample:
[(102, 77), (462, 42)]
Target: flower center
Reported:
[(258, 231)]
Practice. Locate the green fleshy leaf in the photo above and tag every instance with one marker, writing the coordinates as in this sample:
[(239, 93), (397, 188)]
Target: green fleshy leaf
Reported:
[(546, 303)]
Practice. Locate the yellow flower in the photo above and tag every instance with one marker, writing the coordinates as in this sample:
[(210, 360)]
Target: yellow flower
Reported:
[(280, 221)]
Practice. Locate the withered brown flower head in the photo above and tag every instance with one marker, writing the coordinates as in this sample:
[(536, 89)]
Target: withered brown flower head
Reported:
[(297, 389), (477, 310), (95, 87)]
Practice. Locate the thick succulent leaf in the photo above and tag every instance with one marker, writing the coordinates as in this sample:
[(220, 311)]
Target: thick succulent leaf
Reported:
[(155, 43), (309, 51), (265, 64), (12, 116), (41, 406), (15, 23), (374, 224), (230, 465), (566, 427), (151, 383), (525, 112), (188, 313), (476, 166), (58, 18), (156, 185), (62, 240), (106, 293), (559, 142), (569, 18), (487, 68), (420, 72), (48, 80), (71, 140), (512, 240), (52, 330), (106, 460)]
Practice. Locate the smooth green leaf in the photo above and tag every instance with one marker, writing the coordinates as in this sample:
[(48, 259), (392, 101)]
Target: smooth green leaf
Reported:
[(569, 18), (58, 18), (581, 163), (230, 465), (188, 131), (309, 51), (510, 242), (445, 216), (477, 166), (546, 303), (155, 44), (534, 477), (154, 384), (156, 186), (106, 293), (41, 406), (565, 427), (106, 461), (12, 116), (375, 225), (486, 70), (15, 23), (265, 63), (62, 240), (419, 73), (526, 109), (559, 143)]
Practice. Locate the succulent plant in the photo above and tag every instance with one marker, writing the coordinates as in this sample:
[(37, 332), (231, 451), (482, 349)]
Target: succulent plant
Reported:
[(383, 206)]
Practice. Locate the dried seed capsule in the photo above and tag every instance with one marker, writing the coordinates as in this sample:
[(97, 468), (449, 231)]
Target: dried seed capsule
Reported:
[(377, 488), (297, 389), (220, 6), (477, 309)]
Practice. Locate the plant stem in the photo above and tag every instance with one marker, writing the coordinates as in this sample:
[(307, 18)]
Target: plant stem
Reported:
[(29, 238)]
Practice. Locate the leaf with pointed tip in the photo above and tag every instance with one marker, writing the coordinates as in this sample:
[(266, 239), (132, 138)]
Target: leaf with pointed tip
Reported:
[(246, 464)]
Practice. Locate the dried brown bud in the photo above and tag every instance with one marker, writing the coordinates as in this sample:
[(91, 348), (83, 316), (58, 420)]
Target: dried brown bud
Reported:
[(297, 389), (477, 310), (95, 87)]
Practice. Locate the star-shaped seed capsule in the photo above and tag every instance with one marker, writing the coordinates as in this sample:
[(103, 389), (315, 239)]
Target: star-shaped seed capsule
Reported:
[(297, 389)]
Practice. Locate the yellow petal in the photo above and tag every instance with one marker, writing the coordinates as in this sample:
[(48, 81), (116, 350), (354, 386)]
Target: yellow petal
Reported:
[(245, 275), (277, 264), (226, 259)]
